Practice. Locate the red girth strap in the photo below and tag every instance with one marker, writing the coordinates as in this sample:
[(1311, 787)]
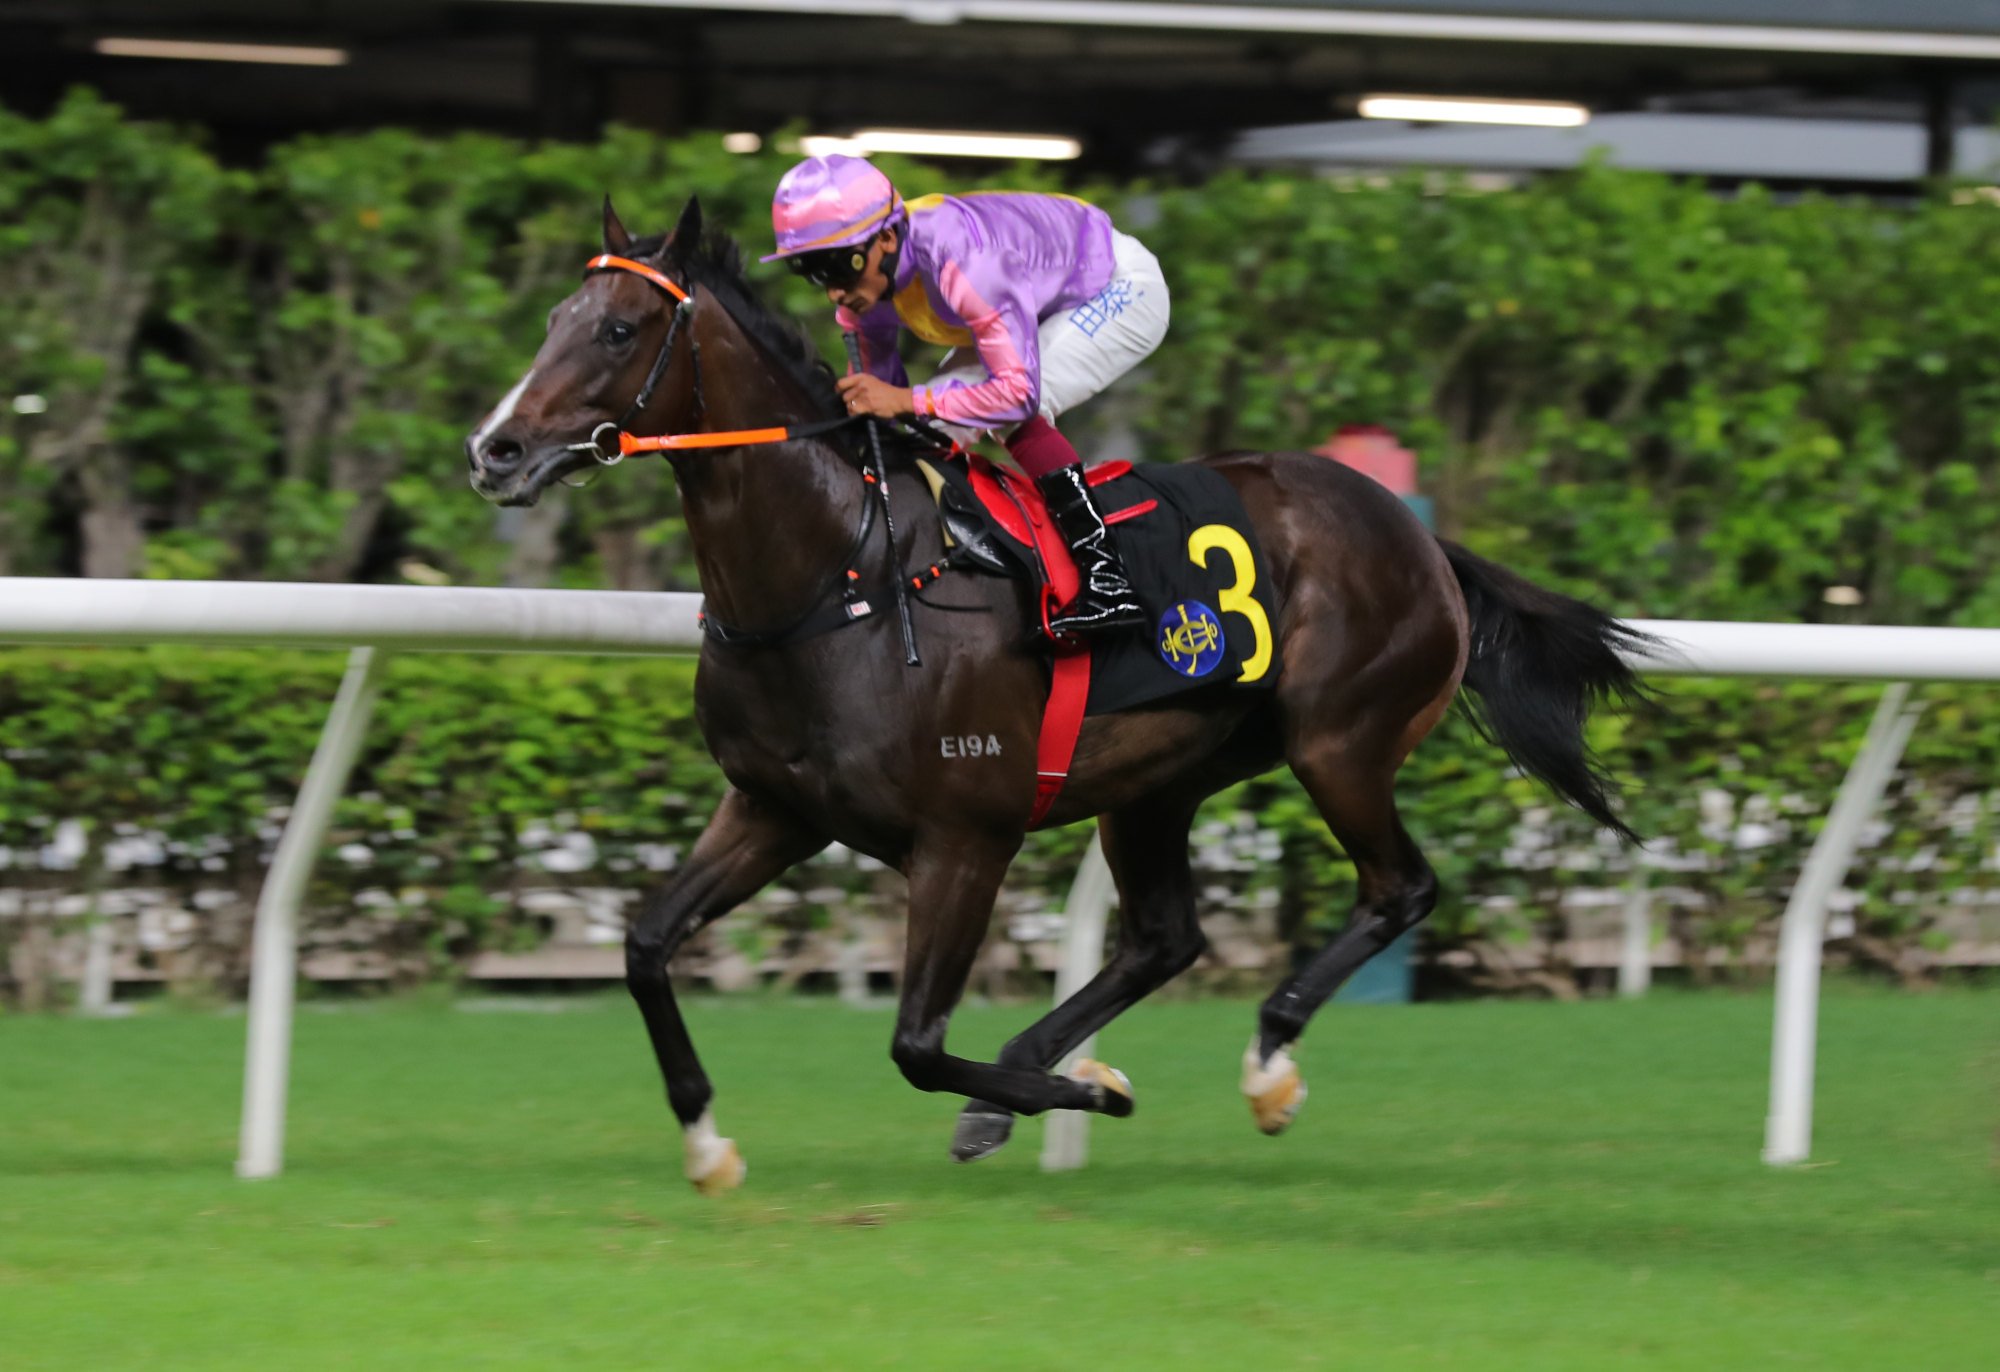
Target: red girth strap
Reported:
[(1062, 721)]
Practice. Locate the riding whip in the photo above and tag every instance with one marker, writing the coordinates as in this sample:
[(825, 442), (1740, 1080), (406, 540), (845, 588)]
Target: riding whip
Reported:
[(910, 657)]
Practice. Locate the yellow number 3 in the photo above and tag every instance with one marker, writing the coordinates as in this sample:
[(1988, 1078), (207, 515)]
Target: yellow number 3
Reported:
[(1237, 598)]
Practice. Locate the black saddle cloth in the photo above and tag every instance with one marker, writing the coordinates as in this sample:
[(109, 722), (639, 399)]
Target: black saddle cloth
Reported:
[(1195, 563)]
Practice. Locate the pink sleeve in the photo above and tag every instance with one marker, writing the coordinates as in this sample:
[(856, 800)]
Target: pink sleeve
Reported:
[(1004, 332), (880, 334)]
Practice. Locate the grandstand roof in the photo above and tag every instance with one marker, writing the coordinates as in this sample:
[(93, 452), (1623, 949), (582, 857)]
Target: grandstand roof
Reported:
[(1128, 77)]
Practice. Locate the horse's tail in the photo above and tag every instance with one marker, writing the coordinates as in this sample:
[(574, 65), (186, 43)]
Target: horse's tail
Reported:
[(1539, 662)]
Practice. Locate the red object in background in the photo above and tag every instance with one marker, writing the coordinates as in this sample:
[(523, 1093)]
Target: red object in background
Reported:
[(1374, 451)]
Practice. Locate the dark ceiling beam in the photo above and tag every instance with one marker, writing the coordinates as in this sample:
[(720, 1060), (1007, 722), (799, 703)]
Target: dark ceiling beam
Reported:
[(1940, 125), (1886, 42)]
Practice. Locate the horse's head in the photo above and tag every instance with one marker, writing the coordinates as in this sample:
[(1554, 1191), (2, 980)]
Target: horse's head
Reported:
[(604, 344)]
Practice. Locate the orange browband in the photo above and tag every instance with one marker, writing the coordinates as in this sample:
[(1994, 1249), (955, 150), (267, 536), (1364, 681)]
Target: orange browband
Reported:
[(607, 262)]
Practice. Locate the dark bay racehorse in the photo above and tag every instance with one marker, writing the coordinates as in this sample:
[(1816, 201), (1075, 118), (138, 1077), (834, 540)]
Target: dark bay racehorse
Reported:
[(833, 738)]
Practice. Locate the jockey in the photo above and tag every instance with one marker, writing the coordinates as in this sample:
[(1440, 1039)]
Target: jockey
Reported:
[(1042, 301)]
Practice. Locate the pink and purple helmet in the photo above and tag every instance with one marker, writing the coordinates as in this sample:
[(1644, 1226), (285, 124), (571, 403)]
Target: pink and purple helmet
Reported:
[(831, 202)]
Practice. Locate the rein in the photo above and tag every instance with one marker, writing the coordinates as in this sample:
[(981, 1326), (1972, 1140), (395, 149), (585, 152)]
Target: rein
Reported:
[(610, 443), (615, 446)]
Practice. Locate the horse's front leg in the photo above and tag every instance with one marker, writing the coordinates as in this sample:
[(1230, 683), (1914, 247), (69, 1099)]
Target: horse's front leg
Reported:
[(954, 878), (746, 845), (1159, 937)]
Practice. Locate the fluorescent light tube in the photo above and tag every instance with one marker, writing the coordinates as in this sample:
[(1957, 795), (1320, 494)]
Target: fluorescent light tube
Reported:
[(275, 53), (925, 143), (929, 143), (1429, 109), (824, 145)]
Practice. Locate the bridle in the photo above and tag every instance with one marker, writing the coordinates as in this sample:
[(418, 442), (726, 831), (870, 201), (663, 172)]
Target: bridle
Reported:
[(608, 441), (611, 443)]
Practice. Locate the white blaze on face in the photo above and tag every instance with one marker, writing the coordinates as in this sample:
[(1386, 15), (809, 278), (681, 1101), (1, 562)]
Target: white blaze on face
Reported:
[(502, 412)]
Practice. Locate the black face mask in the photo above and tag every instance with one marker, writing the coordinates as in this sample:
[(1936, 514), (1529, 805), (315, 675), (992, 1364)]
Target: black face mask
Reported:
[(835, 268)]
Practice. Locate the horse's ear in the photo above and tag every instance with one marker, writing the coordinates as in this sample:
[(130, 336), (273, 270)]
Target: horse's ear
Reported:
[(687, 233), (616, 240)]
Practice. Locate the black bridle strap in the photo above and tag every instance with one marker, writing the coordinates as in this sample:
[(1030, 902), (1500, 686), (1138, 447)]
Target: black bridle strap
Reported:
[(606, 439), (607, 262), (853, 604), (645, 396), (629, 443)]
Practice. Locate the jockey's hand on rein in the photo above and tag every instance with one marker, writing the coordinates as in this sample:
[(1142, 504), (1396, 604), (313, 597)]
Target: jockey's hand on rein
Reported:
[(864, 394)]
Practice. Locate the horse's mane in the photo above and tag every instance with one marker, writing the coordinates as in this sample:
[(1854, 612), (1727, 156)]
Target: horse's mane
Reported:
[(716, 263)]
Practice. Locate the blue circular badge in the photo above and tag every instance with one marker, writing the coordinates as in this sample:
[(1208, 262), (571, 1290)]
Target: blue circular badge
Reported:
[(1191, 639)]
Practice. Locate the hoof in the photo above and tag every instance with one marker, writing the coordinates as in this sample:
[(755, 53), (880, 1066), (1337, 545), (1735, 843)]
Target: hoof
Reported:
[(713, 1164), (1111, 1087), (980, 1133), (726, 1174), (1275, 1089)]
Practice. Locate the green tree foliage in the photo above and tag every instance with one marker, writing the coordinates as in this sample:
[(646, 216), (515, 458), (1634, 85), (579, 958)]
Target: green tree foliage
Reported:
[(106, 226), (1672, 402), (1676, 403)]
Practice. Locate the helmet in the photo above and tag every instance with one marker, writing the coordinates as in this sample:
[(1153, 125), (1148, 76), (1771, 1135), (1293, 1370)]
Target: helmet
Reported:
[(831, 202)]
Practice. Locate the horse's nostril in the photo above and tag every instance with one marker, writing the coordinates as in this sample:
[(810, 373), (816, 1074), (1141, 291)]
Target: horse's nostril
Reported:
[(503, 454)]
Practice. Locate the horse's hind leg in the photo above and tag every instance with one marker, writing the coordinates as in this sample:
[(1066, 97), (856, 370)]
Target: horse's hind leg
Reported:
[(1146, 847), (1355, 794), (746, 845)]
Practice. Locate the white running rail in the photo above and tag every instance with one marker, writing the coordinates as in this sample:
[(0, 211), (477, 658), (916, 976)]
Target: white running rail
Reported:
[(376, 621)]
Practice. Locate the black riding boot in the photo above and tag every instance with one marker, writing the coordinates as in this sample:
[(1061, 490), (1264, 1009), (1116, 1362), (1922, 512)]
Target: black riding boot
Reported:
[(1104, 599)]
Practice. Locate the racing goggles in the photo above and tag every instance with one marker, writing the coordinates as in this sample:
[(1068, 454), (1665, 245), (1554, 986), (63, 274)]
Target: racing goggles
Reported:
[(832, 268)]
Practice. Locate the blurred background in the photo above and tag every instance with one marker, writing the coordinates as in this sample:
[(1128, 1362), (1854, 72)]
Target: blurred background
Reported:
[(1689, 307), (1854, 92)]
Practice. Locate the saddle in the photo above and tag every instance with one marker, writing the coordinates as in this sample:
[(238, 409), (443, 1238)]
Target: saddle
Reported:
[(1188, 547)]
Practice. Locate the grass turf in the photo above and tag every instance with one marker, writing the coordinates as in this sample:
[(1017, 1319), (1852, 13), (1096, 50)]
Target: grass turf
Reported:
[(1482, 1185)]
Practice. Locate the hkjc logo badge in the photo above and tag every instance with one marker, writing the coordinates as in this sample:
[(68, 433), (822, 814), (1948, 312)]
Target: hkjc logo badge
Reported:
[(1191, 639)]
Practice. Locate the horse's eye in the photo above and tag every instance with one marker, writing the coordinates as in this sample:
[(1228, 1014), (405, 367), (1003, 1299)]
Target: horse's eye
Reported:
[(617, 334)]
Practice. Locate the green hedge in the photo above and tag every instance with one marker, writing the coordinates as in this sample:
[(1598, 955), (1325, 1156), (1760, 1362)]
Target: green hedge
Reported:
[(468, 758), (1671, 402), (1674, 402)]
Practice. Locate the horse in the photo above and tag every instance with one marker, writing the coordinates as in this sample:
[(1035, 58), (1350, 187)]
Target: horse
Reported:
[(835, 737)]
